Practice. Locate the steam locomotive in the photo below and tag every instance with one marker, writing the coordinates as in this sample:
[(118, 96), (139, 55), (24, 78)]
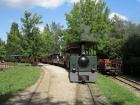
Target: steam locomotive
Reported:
[(83, 61)]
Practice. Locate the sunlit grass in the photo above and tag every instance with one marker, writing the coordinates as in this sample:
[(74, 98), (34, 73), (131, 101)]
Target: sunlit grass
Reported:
[(16, 79), (116, 94)]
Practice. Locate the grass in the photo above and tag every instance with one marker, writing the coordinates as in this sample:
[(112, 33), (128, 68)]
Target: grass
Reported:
[(116, 94), (16, 79)]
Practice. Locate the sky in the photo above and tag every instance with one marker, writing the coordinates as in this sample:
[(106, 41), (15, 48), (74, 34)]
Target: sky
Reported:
[(54, 10)]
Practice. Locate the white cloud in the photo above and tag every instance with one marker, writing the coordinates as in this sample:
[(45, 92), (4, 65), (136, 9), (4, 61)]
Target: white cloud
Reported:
[(73, 1), (25, 4), (41, 28), (120, 16), (17, 3)]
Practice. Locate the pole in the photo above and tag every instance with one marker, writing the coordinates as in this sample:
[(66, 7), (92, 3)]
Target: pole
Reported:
[(60, 39)]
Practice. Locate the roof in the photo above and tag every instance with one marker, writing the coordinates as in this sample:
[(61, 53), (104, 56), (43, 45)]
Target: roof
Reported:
[(73, 49), (86, 43)]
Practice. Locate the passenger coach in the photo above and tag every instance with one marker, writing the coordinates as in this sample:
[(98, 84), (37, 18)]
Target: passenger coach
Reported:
[(83, 61)]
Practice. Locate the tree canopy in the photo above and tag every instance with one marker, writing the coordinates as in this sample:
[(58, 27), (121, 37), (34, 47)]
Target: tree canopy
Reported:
[(14, 41), (31, 34), (91, 14)]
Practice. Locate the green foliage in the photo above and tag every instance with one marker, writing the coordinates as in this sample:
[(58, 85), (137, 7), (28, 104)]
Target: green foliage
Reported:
[(50, 35), (89, 13), (16, 79), (31, 40), (56, 30), (14, 41), (131, 54), (110, 48), (67, 39), (46, 39), (119, 28), (2, 50), (113, 48), (131, 46)]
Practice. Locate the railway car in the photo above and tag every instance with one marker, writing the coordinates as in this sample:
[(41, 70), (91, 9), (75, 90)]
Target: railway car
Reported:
[(44, 60), (55, 59), (50, 59), (112, 67), (24, 60), (62, 61), (34, 60), (83, 61)]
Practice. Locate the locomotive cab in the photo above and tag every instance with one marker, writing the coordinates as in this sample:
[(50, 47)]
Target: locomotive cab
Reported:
[(83, 61)]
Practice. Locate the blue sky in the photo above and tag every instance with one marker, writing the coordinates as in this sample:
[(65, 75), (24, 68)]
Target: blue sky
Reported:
[(54, 10)]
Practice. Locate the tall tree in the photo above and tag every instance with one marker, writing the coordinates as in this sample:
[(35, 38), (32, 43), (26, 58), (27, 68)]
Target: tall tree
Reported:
[(30, 32), (90, 13), (131, 28), (131, 54), (119, 27), (14, 41), (56, 30), (36, 44), (46, 40), (2, 50)]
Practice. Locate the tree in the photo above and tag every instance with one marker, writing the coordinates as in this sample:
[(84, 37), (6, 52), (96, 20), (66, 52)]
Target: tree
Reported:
[(119, 28), (46, 40), (131, 28), (89, 13), (56, 30), (14, 41), (131, 54), (112, 48), (30, 32), (2, 50), (36, 44)]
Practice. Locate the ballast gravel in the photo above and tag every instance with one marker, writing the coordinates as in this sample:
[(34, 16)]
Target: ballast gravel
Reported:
[(61, 91)]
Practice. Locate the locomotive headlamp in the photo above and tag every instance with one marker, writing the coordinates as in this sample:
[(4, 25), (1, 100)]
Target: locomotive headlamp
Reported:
[(73, 69), (93, 69), (83, 61)]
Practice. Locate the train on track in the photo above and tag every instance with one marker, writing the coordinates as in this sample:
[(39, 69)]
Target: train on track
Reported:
[(80, 59), (112, 67)]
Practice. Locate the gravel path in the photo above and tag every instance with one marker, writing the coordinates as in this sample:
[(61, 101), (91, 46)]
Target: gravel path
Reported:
[(61, 92)]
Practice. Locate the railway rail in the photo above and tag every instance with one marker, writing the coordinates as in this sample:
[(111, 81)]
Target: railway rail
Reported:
[(129, 82), (93, 98), (43, 92), (82, 99)]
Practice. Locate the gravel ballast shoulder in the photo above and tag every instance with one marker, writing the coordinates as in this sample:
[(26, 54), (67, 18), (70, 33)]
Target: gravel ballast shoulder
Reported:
[(61, 92)]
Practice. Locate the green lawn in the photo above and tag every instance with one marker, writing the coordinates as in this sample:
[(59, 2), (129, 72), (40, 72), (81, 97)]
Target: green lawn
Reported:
[(16, 79), (116, 94)]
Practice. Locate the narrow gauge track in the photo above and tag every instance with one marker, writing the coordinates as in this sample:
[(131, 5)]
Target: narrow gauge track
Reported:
[(93, 98), (128, 82), (90, 99), (33, 99)]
